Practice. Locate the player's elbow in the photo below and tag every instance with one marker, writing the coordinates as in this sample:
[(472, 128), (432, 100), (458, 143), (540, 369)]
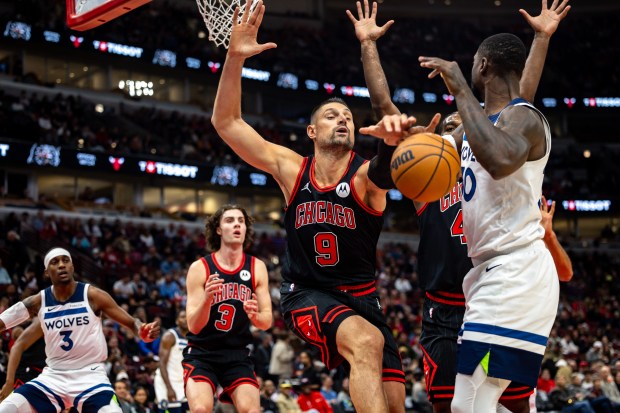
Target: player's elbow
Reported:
[(566, 274)]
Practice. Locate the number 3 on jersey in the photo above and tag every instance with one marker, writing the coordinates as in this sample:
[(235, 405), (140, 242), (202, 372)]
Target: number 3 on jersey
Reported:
[(326, 247), (225, 322), (456, 229)]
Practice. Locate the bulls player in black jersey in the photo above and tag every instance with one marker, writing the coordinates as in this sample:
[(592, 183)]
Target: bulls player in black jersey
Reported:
[(227, 291), (442, 254), (335, 202)]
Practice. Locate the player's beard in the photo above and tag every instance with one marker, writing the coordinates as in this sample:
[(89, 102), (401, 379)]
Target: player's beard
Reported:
[(337, 146)]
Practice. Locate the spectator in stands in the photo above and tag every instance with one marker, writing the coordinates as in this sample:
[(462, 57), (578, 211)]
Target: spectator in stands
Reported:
[(565, 400), (311, 400), (123, 288), (282, 355), (262, 355), (328, 392), (307, 370), (170, 265), (17, 254), (121, 388), (5, 278), (545, 382), (267, 389), (344, 397), (609, 386), (169, 288), (140, 400), (286, 398)]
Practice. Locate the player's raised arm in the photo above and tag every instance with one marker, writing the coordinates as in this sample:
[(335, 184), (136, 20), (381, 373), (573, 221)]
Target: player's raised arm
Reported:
[(368, 32), (26, 339), (258, 307), (238, 134), (102, 302), (544, 26), (562, 261)]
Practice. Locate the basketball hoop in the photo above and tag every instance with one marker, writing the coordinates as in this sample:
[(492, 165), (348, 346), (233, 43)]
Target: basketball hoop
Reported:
[(217, 15), (87, 14)]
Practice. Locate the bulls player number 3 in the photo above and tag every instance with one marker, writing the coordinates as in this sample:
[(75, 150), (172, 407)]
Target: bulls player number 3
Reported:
[(326, 247), (225, 322)]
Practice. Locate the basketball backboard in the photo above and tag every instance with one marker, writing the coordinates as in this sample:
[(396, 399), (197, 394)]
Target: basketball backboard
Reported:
[(87, 14)]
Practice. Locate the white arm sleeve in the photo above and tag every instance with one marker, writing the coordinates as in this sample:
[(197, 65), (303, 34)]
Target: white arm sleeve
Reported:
[(15, 315)]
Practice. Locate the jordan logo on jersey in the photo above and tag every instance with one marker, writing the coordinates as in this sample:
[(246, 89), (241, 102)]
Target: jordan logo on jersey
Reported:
[(306, 187)]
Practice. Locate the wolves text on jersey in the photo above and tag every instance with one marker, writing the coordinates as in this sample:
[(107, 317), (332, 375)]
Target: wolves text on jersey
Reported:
[(233, 291), (451, 197), (67, 322), (324, 212)]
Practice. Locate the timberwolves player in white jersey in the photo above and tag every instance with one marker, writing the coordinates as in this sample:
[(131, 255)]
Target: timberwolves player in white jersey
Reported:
[(512, 291), (70, 314), (169, 388)]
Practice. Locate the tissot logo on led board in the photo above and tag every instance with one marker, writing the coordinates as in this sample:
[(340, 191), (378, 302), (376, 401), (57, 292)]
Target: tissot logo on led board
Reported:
[(168, 169)]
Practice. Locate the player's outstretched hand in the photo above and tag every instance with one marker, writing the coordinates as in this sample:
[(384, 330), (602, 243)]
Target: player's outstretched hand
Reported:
[(546, 213), (149, 332), (392, 128), (243, 41), (450, 72), (251, 307), (366, 23), (549, 19)]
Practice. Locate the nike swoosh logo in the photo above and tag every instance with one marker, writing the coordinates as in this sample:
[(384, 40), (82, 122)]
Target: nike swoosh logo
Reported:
[(94, 368), (495, 266), (53, 308)]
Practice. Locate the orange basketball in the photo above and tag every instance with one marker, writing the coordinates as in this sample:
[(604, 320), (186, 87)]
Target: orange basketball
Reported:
[(425, 167)]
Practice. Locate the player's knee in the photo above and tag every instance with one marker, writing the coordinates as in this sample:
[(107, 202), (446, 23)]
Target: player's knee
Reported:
[(16, 403)]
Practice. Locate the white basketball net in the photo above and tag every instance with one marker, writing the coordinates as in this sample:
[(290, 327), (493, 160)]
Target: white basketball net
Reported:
[(217, 15)]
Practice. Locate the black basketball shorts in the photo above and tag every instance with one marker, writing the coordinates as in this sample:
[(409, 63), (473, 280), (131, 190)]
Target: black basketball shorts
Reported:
[(315, 315), (229, 368)]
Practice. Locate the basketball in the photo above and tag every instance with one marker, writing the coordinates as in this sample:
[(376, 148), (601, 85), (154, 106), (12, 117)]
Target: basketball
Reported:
[(425, 167)]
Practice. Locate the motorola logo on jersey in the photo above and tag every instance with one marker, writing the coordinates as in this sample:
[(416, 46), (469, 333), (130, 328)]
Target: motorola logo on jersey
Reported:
[(324, 212), (343, 190), (245, 275)]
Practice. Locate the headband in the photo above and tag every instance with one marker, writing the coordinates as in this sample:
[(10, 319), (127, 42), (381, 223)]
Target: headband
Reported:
[(55, 252)]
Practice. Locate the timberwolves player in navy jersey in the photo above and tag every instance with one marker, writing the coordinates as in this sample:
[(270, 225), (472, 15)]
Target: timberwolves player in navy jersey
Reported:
[(334, 206), (227, 292), (70, 315), (443, 259)]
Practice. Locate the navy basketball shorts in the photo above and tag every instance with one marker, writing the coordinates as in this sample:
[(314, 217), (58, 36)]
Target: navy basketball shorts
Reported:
[(228, 368), (315, 315), (441, 321)]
